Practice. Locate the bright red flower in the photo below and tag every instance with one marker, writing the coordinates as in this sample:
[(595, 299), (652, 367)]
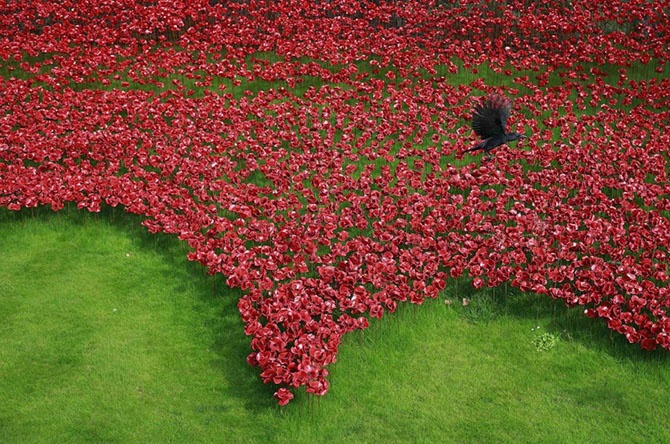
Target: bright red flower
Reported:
[(283, 396)]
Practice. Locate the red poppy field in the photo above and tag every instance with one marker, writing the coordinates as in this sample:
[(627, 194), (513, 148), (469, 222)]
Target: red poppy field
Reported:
[(312, 154)]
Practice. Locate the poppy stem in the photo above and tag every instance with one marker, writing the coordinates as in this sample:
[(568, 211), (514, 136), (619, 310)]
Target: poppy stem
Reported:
[(553, 315), (505, 292)]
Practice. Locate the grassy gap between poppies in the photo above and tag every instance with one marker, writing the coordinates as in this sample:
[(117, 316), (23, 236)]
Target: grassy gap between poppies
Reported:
[(480, 78), (110, 335)]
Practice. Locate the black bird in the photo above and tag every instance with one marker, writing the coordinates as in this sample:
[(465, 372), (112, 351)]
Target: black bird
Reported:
[(489, 121)]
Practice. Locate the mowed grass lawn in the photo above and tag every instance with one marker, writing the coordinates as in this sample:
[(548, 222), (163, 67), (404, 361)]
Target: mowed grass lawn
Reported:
[(108, 334)]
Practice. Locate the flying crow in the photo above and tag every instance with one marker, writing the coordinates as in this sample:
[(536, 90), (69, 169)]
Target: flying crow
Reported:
[(489, 121)]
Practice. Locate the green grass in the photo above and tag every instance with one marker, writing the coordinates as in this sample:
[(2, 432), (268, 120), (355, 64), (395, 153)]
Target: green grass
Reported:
[(108, 334)]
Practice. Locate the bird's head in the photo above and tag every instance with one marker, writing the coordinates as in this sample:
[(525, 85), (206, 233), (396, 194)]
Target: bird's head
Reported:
[(515, 136)]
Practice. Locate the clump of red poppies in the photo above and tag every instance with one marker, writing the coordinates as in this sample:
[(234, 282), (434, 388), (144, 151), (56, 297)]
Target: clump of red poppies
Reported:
[(329, 204)]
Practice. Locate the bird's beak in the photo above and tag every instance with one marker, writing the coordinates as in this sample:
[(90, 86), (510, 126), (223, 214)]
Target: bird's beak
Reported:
[(523, 136)]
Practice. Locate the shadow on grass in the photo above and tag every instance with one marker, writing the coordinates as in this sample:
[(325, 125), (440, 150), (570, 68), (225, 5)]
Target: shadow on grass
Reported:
[(230, 344), (489, 304)]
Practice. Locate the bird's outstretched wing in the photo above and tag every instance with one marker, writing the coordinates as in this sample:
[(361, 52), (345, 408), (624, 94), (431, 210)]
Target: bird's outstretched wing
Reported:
[(489, 117)]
